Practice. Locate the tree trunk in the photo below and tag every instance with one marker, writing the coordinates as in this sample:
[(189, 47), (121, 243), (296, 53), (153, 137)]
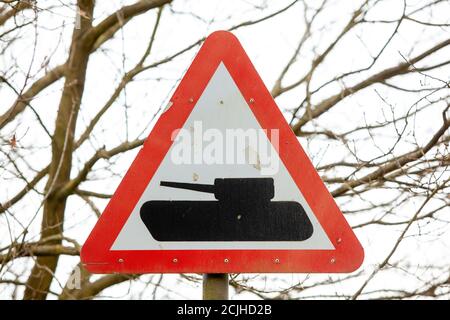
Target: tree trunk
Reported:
[(40, 279)]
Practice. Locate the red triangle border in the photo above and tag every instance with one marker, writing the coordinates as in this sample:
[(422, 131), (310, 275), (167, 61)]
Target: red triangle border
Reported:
[(221, 46)]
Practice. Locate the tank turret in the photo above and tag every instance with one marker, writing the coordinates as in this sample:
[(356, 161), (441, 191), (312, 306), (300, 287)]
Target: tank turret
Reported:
[(231, 189)]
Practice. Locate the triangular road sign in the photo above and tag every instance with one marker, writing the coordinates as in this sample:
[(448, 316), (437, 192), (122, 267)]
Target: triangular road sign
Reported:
[(198, 199)]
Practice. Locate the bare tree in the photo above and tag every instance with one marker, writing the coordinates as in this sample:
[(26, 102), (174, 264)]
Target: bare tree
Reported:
[(364, 85)]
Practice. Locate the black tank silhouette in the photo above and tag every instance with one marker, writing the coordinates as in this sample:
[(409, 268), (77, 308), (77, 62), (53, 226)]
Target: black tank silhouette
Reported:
[(243, 212)]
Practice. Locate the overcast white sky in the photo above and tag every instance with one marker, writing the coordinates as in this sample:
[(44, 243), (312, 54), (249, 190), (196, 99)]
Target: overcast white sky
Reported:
[(269, 45)]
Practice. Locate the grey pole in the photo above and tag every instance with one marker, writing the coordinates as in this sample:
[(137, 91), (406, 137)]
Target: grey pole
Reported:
[(215, 286)]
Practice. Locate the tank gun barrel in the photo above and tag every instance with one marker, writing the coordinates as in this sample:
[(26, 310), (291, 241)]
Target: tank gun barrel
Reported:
[(208, 188)]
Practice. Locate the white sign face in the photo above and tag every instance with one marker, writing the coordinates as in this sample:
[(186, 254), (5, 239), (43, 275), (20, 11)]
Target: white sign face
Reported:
[(203, 151)]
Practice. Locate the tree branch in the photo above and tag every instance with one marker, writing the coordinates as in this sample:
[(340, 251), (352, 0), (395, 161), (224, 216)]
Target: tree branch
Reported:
[(396, 163)]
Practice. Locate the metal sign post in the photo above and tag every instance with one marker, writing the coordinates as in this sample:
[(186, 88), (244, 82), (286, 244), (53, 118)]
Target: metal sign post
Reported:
[(215, 286)]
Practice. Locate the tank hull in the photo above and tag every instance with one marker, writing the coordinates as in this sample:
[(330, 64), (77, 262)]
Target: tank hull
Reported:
[(215, 221)]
